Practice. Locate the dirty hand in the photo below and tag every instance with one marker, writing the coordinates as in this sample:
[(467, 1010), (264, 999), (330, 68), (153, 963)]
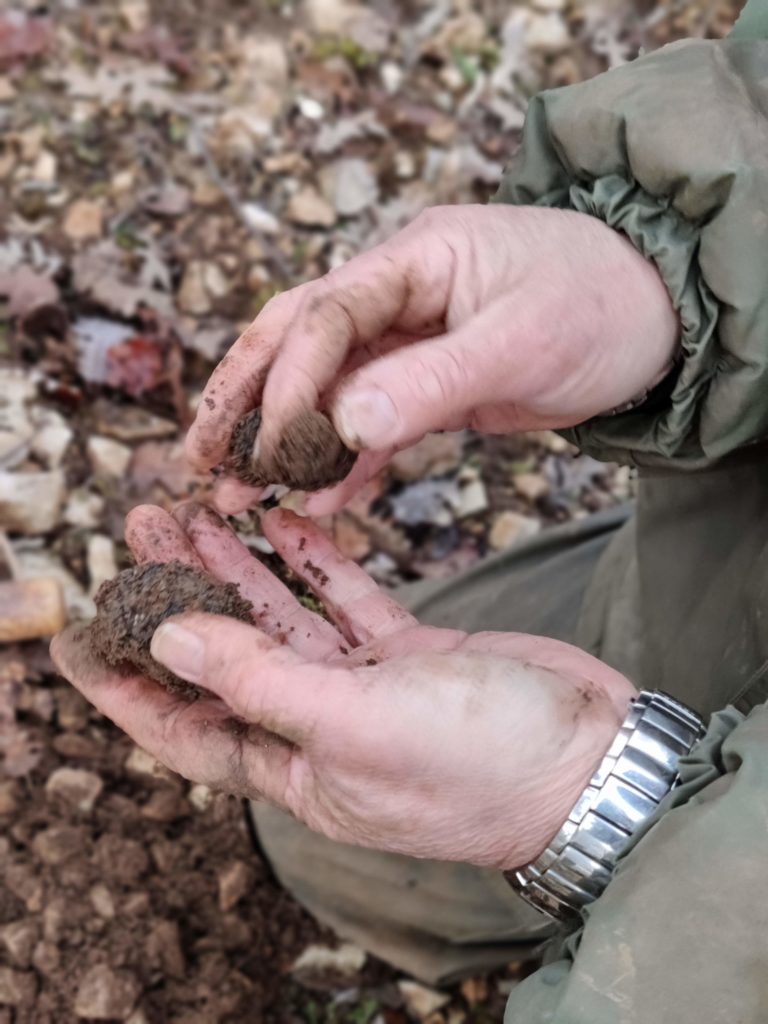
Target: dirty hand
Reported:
[(498, 318), (375, 731)]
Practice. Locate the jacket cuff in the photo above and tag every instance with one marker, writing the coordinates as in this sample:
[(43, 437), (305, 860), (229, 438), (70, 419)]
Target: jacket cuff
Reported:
[(671, 243)]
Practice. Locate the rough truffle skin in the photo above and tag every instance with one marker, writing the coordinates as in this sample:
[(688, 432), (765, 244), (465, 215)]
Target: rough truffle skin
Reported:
[(309, 456), (131, 606)]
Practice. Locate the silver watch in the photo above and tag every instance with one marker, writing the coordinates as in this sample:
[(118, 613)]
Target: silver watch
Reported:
[(633, 778)]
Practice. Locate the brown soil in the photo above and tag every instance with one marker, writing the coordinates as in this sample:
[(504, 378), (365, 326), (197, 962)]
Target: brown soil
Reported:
[(309, 456), (134, 603), (155, 894)]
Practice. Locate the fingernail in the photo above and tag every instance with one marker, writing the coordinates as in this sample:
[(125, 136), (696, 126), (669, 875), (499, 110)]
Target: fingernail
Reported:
[(179, 650), (366, 418)]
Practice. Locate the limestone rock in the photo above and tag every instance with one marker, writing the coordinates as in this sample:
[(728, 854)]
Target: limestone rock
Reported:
[(309, 209), (234, 882), (193, 294), (17, 988), (83, 221), (345, 962), (76, 786), (84, 508), (101, 560), (421, 1001), (511, 527), (531, 485), (30, 503), (58, 844), (20, 939), (104, 994), (107, 457), (350, 185)]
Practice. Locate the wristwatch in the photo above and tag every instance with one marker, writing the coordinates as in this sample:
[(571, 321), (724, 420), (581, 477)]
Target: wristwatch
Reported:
[(633, 778)]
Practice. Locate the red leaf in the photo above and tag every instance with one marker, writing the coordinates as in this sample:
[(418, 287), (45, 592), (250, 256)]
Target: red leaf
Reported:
[(135, 366), (23, 37)]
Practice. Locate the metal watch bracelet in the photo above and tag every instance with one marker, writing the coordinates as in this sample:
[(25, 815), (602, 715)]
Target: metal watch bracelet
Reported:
[(633, 778)]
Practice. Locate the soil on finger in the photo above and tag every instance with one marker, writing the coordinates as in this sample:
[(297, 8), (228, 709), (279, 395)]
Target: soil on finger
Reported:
[(309, 456), (133, 604)]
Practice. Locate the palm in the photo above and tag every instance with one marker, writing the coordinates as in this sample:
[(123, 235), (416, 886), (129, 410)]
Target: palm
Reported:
[(370, 724)]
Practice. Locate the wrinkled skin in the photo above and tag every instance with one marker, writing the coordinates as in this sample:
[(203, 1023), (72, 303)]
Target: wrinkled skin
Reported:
[(373, 730), (498, 318)]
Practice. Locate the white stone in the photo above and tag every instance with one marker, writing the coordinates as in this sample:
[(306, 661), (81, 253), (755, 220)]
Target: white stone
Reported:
[(193, 294), (136, 14), (140, 762), (260, 219), (310, 108), (84, 509), (200, 796), (104, 994), (107, 457), (473, 498), (76, 786), (531, 485), (102, 901), (350, 185), (421, 1001), (392, 76), (101, 561), (17, 388), (52, 437), (216, 282), (35, 563), (30, 503), (511, 527), (548, 33), (405, 165), (330, 17), (347, 960), (309, 209)]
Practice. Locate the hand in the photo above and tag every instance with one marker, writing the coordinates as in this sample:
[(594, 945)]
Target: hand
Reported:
[(498, 318), (375, 731)]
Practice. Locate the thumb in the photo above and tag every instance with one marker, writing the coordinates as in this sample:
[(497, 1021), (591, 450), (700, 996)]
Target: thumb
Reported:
[(430, 385), (261, 681)]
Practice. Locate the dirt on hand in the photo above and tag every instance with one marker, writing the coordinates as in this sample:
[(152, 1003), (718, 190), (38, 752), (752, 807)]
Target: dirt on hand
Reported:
[(309, 456), (133, 604)]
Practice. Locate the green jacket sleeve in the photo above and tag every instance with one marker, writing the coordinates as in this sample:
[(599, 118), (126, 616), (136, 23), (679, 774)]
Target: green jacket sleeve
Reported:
[(680, 933), (672, 150)]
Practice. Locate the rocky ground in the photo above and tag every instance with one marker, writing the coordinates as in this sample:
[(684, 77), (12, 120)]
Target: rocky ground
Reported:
[(164, 169)]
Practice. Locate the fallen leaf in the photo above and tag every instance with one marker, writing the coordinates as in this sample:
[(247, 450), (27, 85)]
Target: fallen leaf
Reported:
[(135, 366), (27, 290), (83, 221), (168, 200), (157, 42), (23, 37)]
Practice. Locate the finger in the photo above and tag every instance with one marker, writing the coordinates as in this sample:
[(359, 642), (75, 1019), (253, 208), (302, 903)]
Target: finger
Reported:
[(154, 536), (433, 384), (262, 681), (235, 385), (401, 285), (198, 739), (357, 605), (366, 467), (276, 610)]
